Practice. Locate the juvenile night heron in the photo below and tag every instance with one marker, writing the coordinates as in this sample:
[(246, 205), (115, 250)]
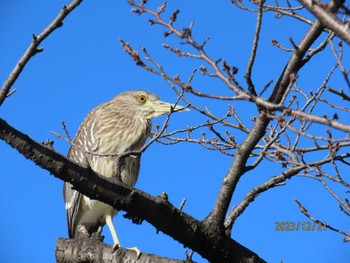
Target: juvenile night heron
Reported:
[(117, 126)]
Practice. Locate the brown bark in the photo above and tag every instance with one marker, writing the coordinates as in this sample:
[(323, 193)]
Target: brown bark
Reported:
[(201, 237), (89, 250)]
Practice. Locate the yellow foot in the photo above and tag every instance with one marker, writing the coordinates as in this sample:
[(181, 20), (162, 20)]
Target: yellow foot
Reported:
[(115, 247), (137, 251)]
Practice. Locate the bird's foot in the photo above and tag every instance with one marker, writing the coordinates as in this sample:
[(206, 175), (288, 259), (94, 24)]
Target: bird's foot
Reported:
[(97, 235), (82, 231), (115, 247), (136, 250), (99, 231)]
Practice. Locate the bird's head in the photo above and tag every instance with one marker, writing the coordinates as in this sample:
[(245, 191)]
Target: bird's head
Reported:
[(144, 104)]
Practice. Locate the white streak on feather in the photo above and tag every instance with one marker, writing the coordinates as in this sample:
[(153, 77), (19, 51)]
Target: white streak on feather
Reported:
[(70, 202)]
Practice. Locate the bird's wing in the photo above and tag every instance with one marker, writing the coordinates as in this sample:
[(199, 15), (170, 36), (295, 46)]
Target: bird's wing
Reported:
[(71, 196), (72, 200)]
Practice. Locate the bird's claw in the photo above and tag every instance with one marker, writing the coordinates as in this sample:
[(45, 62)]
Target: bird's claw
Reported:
[(115, 247), (82, 231), (137, 251)]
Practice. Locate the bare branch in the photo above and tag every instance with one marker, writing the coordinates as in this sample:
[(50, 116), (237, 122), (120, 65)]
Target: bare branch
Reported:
[(340, 93), (174, 222), (328, 19), (238, 166), (248, 74), (89, 250), (339, 58), (297, 61), (33, 48), (250, 197), (306, 213)]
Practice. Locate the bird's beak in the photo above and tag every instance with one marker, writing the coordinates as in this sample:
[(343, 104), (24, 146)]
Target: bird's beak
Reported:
[(161, 107)]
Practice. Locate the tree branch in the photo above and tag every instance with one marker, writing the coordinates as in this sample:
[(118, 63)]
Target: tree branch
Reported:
[(90, 250), (328, 19), (296, 62), (244, 150), (156, 210), (346, 237), (248, 74), (33, 49)]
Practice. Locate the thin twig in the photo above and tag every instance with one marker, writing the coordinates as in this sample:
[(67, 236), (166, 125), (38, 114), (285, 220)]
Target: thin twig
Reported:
[(307, 214), (248, 74)]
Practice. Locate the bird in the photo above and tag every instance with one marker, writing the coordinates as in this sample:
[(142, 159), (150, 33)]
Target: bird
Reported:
[(117, 126)]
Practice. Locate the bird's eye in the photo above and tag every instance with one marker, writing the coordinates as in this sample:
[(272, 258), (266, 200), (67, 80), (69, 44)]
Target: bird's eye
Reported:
[(141, 99)]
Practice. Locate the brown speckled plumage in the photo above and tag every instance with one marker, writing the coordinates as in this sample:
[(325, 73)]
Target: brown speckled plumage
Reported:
[(117, 126)]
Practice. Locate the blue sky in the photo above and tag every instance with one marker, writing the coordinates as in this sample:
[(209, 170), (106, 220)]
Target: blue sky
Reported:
[(83, 65)]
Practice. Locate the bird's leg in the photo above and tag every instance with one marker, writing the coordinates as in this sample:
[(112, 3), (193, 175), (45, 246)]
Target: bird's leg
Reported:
[(110, 225), (97, 234), (99, 231), (116, 245)]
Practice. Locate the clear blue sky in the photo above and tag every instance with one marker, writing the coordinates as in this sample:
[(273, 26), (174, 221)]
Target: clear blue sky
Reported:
[(83, 65)]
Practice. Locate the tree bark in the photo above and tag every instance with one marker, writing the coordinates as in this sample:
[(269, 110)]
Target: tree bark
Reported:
[(158, 211), (90, 250)]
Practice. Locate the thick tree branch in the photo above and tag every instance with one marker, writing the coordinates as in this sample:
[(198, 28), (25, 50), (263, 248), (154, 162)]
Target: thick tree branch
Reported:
[(90, 250), (328, 19), (273, 182), (33, 48), (238, 166), (236, 170), (156, 210)]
